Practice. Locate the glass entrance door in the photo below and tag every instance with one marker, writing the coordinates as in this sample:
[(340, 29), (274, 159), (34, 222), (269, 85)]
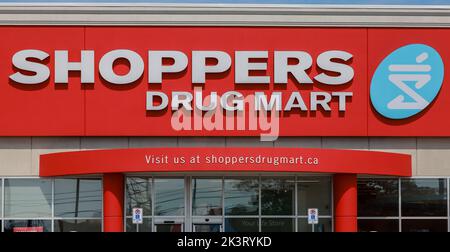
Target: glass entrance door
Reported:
[(228, 203), (207, 204), (170, 204)]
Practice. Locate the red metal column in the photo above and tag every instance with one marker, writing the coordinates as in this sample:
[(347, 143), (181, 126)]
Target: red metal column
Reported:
[(345, 203), (113, 191)]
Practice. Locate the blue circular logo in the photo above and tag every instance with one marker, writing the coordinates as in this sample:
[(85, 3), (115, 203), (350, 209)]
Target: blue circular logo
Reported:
[(407, 81)]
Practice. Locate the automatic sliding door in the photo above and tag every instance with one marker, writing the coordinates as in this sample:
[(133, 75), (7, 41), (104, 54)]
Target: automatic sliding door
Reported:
[(169, 204), (207, 198), (230, 204)]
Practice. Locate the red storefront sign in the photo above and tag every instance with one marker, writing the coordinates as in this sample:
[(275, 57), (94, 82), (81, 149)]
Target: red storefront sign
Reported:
[(224, 160), (105, 109), (28, 229)]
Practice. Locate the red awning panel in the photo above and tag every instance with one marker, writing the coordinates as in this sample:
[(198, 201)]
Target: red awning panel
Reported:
[(223, 160)]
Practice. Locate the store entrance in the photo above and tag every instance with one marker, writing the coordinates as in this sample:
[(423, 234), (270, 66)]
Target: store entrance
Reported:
[(228, 203)]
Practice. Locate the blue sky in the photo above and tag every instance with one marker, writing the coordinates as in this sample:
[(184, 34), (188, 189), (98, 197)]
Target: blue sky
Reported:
[(392, 2)]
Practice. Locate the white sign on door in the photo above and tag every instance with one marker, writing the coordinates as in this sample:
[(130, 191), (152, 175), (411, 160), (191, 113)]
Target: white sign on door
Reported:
[(313, 216), (137, 215)]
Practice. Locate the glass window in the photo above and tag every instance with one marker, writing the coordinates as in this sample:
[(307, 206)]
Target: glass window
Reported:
[(169, 197), (323, 226), (277, 225), (28, 226), (139, 194), (241, 225), (146, 225), (206, 197), (378, 197), (78, 225), (78, 198), (424, 225), (277, 196), (241, 196), (29, 198), (314, 192), (424, 197), (377, 225)]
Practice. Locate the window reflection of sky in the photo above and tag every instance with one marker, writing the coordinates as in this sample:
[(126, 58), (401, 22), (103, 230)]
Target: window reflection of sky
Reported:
[(206, 197), (169, 197), (86, 201)]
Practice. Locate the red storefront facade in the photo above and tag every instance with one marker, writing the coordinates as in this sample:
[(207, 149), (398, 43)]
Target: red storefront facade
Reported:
[(153, 82)]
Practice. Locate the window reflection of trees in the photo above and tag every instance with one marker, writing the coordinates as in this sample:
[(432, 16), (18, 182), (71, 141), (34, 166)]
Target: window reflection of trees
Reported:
[(277, 196), (169, 200), (378, 197), (138, 194), (424, 197), (241, 196)]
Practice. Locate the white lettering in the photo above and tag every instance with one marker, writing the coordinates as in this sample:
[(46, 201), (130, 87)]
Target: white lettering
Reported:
[(20, 61), (107, 71)]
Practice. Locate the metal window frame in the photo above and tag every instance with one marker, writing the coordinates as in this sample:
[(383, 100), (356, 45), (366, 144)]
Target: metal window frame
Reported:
[(124, 204), (187, 204), (259, 204), (424, 218), (103, 201), (399, 205), (53, 205), (332, 201), (153, 193), (295, 202), (2, 205), (379, 218), (223, 203)]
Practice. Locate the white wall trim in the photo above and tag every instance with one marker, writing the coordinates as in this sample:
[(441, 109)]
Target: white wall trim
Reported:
[(225, 15)]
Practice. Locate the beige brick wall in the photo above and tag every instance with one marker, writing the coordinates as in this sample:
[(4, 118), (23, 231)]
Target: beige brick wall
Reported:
[(19, 156)]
